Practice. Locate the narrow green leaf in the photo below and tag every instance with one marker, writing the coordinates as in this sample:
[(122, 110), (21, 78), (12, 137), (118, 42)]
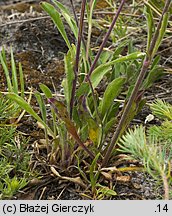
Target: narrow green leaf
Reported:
[(119, 49), (83, 174), (69, 69), (55, 16), (48, 94), (82, 90), (61, 7), (101, 70), (24, 105), (106, 191), (109, 125), (66, 14), (150, 25), (105, 56), (41, 105), (161, 32), (14, 73), (93, 176), (98, 74), (113, 110), (4, 55), (156, 61), (155, 74), (112, 91), (21, 80), (7, 75), (45, 90), (62, 113), (129, 57), (94, 130)]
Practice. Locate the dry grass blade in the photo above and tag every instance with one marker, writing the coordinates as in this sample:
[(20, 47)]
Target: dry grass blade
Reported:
[(76, 180)]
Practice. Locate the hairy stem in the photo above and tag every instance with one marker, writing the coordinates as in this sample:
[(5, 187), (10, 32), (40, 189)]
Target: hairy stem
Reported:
[(134, 93)]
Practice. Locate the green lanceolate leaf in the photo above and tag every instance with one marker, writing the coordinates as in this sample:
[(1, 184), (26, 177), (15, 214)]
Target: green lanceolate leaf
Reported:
[(137, 105), (98, 74), (62, 113), (109, 125), (66, 14), (155, 74), (112, 91), (119, 49), (4, 55), (55, 16), (93, 176), (156, 61), (111, 117), (69, 69), (6, 71), (24, 105), (82, 90), (41, 106), (46, 90), (129, 57), (101, 70), (95, 78), (48, 94), (21, 80), (150, 25), (61, 7), (161, 33), (94, 130), (14, 73)]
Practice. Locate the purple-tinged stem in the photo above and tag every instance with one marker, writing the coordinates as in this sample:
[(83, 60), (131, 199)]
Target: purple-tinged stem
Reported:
[(74, 12), (145, 66), (77, 22), (77, 56), (106, 37)]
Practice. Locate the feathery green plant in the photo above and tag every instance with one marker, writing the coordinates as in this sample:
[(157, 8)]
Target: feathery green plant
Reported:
[(154, 147), (14, 158)]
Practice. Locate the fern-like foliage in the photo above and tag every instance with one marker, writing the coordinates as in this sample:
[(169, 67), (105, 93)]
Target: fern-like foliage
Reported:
[(162, 109), (153, 147), (163, 132), (155, 154)]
